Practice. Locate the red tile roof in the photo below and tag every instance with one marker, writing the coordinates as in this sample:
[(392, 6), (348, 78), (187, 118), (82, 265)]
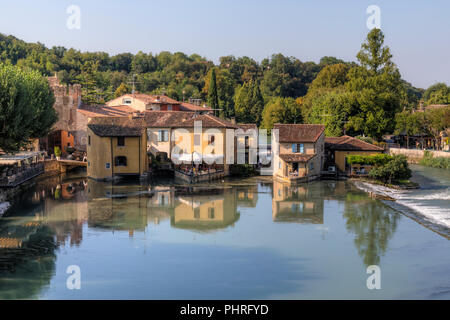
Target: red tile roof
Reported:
[(299, 132), (117, 126), (247, 126), (347, 143), (208, 121), (166, 119), (297, 157), (105, 111), (192, 107)]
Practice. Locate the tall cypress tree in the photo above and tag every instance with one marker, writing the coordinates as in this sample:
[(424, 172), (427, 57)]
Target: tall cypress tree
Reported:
[(213, 97), (257, 106)]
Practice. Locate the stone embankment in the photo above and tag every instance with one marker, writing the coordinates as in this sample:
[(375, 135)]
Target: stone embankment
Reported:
[(414, 155)]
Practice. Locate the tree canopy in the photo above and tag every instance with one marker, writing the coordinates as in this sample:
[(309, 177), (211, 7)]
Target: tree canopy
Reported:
[(26, 107)]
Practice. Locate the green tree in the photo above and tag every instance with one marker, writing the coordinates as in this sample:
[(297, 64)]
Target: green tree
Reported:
[(281, 110), (393, 171), (249, 103), (121, 90), (213, 98), (438, 93), (408, 123), (377, 88), (26, 107)]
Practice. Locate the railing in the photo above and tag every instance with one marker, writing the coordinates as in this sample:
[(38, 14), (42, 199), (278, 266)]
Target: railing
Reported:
[(12, 177)]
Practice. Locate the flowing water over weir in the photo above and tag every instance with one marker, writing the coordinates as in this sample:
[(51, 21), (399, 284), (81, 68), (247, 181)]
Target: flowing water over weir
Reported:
[(429, 205), (238, 239)]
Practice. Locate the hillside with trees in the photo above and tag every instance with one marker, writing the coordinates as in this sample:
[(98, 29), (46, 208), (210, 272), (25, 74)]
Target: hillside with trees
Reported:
[(357, 98)]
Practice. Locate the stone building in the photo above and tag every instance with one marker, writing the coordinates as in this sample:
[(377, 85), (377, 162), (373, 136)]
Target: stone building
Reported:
[(67, 101)]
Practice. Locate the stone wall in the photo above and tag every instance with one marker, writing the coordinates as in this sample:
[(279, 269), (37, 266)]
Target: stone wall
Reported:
[(67, 101), (414, 155)]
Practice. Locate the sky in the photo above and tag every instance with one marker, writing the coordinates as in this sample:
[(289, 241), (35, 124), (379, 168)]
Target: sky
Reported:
[(418, 32)]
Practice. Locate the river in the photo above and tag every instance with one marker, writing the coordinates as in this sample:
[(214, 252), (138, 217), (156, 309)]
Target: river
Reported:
[(239, 239)]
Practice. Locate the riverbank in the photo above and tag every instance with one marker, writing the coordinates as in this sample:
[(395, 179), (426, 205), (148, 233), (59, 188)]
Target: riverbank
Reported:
[(427, 205)]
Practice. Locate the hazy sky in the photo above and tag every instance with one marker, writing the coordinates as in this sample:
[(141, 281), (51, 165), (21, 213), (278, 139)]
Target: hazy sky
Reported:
[(418, 32)]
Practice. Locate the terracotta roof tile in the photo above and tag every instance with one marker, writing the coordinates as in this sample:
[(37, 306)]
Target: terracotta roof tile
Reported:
[(299, 132), (192, 107), (247, 126), (347, 143), (297, 157), (166, 119), (117, 126), (208, 121), (105, 111)]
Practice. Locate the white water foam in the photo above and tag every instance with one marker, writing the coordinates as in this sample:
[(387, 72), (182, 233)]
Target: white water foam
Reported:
[(428, 204)]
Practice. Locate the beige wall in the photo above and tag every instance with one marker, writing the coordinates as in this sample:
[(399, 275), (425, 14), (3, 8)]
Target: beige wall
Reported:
[(286, 148), (135, 103), (183, 138), (153, 145), (304, 169), (103, 150)]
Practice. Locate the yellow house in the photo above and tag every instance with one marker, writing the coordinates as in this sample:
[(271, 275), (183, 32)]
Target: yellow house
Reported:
[(116, 147), (298, 151), (195, 143), (338, 148)]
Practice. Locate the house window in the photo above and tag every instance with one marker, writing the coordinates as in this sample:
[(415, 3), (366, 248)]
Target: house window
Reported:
[(297, 148), (211, 213), (126, 101), (311, 166), (169, 107), (120, 161), (279, 165), (89, 140), (211, 139), (120, 141), (163, 135), (108, 165)]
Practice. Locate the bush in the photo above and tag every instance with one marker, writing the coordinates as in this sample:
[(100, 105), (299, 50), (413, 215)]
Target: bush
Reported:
[(435, 162), (394, 170), (57, 152), (242, 170), (374, 160)]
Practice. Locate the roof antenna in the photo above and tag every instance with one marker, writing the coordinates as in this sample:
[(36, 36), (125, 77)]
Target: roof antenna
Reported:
[(133, 82)]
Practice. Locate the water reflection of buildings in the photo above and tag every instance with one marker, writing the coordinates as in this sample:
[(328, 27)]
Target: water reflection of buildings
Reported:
[(119, 207), (205, 209), (302, 203), (52, 212)]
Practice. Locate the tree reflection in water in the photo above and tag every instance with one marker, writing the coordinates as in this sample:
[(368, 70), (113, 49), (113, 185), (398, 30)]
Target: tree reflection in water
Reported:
[(27, 266), (373, 224)]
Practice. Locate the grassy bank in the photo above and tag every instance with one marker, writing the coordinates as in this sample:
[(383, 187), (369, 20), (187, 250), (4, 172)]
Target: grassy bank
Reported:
[(436, 162)]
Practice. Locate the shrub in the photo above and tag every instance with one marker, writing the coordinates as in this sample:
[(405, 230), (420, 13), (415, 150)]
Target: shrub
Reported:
[(394, 170), (57, 152), (242, 170), (374, 160), (435, 162)]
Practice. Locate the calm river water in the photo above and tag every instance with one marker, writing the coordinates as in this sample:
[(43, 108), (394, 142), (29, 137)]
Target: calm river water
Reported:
[(238, 239)]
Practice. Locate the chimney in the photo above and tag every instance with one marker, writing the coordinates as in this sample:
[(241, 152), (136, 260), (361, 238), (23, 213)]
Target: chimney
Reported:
[(233, 120)]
